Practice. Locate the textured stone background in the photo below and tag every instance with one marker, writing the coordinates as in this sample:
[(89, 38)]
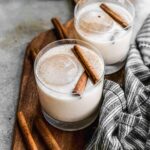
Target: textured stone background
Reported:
[(20, 21)]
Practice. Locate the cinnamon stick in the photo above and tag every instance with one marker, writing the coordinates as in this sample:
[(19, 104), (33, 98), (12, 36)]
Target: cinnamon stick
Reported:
[(81, 84), (46, 135), (61, 31), (119, 19), (90, 70), (26, 132)]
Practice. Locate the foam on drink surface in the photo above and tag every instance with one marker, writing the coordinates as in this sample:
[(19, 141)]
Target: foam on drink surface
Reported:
[(96, 21), (59, 69), (95, 24)]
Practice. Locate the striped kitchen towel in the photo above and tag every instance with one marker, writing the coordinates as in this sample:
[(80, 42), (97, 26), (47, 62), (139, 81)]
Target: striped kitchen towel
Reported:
[(124, 122)]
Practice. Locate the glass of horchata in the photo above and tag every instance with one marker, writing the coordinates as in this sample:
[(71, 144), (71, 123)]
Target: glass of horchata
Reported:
[(108, 25), (57, 71)]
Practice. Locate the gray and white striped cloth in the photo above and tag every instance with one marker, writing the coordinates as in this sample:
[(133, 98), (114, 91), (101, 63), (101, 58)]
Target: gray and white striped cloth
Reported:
[(124, 122)]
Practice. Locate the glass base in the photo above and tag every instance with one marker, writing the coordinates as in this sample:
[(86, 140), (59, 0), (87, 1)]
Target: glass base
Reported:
[(110, 69), (71, 126)]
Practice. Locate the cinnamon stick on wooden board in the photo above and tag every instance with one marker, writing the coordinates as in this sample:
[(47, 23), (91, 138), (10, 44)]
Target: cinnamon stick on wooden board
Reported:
[(46, 135), (26, 131), (61, 31), (90, 70), (119, 19)]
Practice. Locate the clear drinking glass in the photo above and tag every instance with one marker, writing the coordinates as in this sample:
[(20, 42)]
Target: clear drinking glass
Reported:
[(64, 110), (112, 40)]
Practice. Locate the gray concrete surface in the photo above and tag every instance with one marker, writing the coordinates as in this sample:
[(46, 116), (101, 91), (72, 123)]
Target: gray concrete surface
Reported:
[(20, 21)]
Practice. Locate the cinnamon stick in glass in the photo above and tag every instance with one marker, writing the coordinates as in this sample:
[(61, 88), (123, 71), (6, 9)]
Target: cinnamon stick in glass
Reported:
[(46, 135), (81, 84), (90, 70), (119, 19), (26, 131)]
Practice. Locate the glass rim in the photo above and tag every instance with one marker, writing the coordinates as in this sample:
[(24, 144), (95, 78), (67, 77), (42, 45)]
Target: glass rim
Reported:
[(60, 42), (101, 32)]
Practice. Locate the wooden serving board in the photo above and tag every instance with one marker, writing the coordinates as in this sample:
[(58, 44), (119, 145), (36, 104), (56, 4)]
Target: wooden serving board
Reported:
[(29, 104)]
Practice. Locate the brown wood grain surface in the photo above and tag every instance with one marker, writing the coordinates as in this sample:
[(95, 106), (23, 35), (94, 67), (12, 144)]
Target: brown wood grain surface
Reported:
[(29, 104)]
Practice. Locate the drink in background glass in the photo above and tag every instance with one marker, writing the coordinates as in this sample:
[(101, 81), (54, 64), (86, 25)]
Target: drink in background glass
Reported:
[(57, 71), (95, 26)]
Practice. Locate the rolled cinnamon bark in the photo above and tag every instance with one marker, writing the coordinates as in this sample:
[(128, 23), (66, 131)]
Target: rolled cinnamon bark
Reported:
[(115, 16), (26, 131), (81, 84), (90, 70), (46, 135), (61, 31)]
